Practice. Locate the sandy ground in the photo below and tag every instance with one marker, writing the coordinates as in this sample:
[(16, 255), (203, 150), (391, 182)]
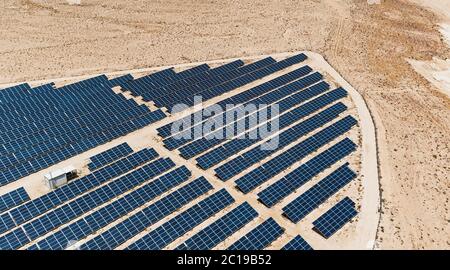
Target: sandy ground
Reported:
[(368, 45)]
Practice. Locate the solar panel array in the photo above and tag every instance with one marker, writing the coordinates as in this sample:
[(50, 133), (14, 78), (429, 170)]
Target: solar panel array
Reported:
[(109, 156), (139, 200), (335, 218)]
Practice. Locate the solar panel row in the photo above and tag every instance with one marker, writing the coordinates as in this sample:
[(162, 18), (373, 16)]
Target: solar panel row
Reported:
[(138, 222), (257, 153), (169, 231), (14, 92), (13, 199), (335, 218), (260, 237), (240, 143), (121, 207), (318, 194), (295, 179), (252, 93), (267, 99), (109, 156), (156, 79), (74, 188), (298, 243)]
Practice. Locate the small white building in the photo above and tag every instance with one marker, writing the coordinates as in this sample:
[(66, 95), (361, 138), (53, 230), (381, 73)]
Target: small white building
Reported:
[(59, 177)]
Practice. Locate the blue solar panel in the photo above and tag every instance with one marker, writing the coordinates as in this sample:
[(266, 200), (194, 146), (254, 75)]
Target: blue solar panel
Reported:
[(117, 209), (166, 233), (122, 80), (318, 194), (109, 156), (13, 199), (335, 218), (298, 243), (222, 228), (260, 237), (138, 222), (295, 179)]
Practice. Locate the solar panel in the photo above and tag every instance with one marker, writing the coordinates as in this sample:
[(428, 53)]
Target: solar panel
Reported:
[(166, 233), (335, 218), (109, 156), (138, 222), (260, 237), (298, 243), (318, 194), (13, 199), (252, 93), (222, 228), (295, 179)]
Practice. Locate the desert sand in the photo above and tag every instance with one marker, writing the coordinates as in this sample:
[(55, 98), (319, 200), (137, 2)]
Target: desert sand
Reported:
[(369, 45)]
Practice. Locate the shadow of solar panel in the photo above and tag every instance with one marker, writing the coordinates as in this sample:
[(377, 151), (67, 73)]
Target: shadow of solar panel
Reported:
[(166, 233), (138, 222), (13, 199), (222, 228), (335, 218), (166, 130), (260, 237), (298, 243), (109, 156), (318, 194), (295, 179)]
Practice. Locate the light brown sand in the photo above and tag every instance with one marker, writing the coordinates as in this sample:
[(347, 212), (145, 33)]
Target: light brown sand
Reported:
[(368, 45)]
